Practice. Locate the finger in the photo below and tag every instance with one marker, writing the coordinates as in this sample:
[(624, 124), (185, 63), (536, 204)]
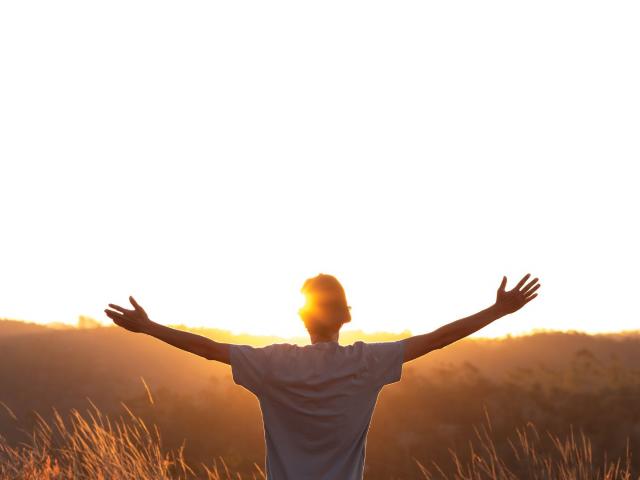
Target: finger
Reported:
[(120, 309), (117, 321), (532, 290), (521, 282), (503, 284), (114, 315), (121, 323), (531, 298), (528, 285), (135, 304)]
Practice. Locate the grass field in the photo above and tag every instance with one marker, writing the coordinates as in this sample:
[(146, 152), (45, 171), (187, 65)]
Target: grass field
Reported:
[(92, 445)]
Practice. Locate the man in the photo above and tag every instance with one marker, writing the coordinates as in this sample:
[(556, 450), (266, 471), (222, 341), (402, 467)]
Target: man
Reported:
[(317, 400)]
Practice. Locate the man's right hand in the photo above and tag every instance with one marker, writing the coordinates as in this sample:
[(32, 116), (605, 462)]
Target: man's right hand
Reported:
[(135, 320), (514, 299)]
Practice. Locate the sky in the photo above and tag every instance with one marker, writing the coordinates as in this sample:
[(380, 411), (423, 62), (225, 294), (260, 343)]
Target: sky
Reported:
[(208, 157)]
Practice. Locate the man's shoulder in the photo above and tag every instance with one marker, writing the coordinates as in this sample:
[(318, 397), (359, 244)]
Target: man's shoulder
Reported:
[(282, 347), (375, 345)]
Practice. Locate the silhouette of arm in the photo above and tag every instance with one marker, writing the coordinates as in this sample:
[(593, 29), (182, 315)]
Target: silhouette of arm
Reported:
[(191, 342), (506, 302), (137, 321)]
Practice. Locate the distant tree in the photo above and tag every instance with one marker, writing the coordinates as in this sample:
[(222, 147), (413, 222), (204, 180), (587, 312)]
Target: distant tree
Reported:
[(88, 322)]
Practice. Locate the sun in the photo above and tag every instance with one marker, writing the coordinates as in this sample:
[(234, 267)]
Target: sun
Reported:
[(302, 301), (285, 318)]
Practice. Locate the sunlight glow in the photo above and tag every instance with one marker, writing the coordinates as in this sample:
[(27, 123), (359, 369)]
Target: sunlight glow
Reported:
[(208, 159)]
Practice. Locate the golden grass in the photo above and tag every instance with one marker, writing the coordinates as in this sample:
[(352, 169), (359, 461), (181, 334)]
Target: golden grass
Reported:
[(95, 447), (92, 446), (567, 459)]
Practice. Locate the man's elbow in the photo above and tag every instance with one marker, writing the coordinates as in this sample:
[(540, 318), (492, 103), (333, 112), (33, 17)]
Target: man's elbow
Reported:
[(217, 351), (422, 344), (435, 340)]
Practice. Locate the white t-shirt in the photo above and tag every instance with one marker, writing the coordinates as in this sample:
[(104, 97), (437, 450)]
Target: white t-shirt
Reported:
[(317, 402)]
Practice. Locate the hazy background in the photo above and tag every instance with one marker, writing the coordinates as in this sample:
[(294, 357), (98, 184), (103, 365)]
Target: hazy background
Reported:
[(548, 382), (208, 157)]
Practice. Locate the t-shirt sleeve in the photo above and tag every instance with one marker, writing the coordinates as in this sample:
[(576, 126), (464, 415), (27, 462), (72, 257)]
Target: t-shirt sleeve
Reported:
[(385, 360), (250, 365)]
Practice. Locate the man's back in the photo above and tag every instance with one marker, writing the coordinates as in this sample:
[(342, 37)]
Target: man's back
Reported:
[(317, 402)]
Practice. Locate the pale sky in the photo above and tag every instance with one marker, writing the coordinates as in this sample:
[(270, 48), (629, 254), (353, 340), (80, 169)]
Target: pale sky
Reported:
[(208, 157)]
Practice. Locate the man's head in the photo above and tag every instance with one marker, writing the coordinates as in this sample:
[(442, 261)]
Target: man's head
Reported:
[(325, 309)]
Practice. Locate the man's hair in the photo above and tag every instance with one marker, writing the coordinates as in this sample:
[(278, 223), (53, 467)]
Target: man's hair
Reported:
[(328, 283)]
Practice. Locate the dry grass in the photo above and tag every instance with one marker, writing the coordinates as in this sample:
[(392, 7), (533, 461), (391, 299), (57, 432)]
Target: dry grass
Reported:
[(92, 446), (566, 459)]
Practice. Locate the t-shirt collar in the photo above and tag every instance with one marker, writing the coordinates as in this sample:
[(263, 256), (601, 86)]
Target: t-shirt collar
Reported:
[(330, 342)]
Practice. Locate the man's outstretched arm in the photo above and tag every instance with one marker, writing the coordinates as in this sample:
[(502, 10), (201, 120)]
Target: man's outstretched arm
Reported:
[(137, 321), (506, 302)]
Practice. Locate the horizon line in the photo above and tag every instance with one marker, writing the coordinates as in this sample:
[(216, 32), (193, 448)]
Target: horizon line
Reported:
[(531, 332)]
